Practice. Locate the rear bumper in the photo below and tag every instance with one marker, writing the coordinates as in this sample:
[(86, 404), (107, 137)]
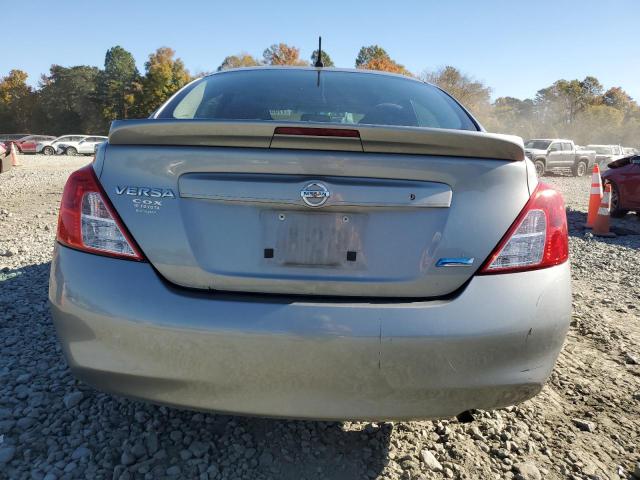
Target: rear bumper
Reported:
[(126, 331)]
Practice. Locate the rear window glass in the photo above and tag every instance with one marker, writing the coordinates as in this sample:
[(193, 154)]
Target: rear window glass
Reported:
[(328, 97)]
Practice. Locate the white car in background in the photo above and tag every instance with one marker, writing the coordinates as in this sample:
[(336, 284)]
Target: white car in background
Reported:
[(49, 147), (606, 154), (86, 146)]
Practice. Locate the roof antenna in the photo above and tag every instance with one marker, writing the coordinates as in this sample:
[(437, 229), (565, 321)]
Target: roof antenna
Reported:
[(319, 63)]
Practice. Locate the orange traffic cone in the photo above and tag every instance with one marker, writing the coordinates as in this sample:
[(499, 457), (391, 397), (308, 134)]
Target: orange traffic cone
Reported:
[(14, 157), (595, 197), (601, 225)]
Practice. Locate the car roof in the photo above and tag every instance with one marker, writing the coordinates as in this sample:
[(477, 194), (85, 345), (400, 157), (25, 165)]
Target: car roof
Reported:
[(317, 69)]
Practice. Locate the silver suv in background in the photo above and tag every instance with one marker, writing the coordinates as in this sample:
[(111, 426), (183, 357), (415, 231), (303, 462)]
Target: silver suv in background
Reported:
[(606, 154), (86, 146), (49, 147), (559, 156)]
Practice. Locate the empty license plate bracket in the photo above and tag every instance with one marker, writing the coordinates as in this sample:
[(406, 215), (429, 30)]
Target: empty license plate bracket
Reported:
[(313, 239)]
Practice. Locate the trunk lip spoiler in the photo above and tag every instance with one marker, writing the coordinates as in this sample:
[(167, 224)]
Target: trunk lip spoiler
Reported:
[(374, 138)]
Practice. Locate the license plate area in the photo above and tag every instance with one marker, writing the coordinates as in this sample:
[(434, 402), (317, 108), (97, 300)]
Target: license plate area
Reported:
[(313, 239)]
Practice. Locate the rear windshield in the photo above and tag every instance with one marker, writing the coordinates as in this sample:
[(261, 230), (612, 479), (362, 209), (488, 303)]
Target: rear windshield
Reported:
[(308, 96)]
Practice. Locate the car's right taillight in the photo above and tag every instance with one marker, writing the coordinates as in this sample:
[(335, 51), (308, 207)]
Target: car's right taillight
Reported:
[(88, 222), (537, 239)]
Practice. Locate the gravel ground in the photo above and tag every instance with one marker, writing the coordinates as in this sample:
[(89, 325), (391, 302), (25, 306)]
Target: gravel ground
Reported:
[(584, 424)]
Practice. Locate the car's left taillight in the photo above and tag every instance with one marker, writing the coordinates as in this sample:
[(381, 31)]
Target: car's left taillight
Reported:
[(88, 222)]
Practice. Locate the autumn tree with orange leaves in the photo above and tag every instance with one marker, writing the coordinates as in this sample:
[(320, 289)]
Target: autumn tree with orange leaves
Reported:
[(375, 57), (16, 101), (385, 64), (282, 54), (238, 61)]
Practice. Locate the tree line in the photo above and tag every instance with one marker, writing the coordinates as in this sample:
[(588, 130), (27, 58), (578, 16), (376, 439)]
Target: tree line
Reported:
[(82, 98)]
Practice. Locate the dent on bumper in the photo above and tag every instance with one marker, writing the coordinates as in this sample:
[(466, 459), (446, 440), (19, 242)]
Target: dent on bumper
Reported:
[(126, 331)]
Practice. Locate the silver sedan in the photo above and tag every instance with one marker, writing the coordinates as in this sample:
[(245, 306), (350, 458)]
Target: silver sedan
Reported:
[(312, 243)]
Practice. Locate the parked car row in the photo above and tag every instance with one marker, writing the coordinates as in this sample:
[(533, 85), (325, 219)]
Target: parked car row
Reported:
[(49, 145), (71, 145), (559, 155), (12, 138), (608, 153)]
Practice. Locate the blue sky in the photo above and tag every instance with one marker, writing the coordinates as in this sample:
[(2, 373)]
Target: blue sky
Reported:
[(516, 47)]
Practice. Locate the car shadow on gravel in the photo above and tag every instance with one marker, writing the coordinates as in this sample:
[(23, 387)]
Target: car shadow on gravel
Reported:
[(52, 423)]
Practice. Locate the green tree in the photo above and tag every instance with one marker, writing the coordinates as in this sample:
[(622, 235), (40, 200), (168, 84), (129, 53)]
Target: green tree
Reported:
[(514, 116), (368, 54), (282, 54), (326, 59), (598, 124), (238, 61), (117, 83), (590, 88), (376, 58), (617, 98), (16, 102), (67, 101), (471, 93), (565, 99), (164, 76)]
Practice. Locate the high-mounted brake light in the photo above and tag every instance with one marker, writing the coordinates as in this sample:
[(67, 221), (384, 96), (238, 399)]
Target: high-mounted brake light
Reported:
[(88, 222), (537, 239), (317, 132)]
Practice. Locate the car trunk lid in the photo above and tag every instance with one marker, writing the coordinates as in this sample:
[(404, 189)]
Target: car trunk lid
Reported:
[(222, 208)]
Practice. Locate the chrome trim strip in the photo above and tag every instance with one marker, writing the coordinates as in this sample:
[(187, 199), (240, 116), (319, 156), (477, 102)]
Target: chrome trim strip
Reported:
[(344, 191), (455, 262)]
